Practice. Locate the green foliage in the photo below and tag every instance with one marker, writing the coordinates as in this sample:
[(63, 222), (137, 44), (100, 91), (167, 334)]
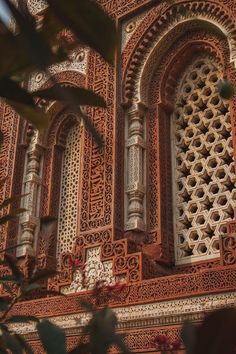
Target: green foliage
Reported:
[(89, 23), (215, 335), (53, 337), (226, 90), (101, 329), (189, 334), (32, 48)]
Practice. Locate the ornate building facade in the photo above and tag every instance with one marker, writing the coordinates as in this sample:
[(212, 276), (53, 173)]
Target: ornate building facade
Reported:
[(155, 207)]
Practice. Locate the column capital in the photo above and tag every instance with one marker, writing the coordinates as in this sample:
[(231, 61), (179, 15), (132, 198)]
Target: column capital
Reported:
[(137, 109)]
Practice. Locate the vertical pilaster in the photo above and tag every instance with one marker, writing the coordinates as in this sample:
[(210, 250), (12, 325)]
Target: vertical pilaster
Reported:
[(29, 221), (135, 168)]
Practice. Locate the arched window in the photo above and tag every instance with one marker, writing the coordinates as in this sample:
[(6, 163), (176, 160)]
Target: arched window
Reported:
[(69, 191), (61, 188), (202, 159)]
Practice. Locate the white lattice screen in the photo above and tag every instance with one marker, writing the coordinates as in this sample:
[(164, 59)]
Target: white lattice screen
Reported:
[(69, 198), (204, 177)]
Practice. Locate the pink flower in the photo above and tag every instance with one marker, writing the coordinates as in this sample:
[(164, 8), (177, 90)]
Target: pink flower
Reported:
[(118, 286), (69, 260), (161, 339), (76, 262), (176, 344)]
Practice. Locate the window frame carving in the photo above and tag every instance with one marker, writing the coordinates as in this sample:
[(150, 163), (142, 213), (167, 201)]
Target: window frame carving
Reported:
[(139, 76)]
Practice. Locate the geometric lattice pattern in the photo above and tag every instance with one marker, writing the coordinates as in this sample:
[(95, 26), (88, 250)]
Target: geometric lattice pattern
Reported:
[(204, 183), (68, 210)]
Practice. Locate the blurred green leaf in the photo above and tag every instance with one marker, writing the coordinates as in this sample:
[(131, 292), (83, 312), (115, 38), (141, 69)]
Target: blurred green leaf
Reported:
[(88, 306), (30, 287), (102, 328), (34, 115), (8, 278), (83, 348), (17, 58), (216, 334), (12, 199), (12, 216), (11, 262), (45, 292), (20, 319), (48, 224), (3, 350), (12, 343), (91, 128), (9, 89), (74, 96), (11, 248), (27, 348), (188, 336), (42, 275), (78, 95), (3, 304), (119, 342), (53, 337), (51, 26), (226, 90), (89, 23), (37, 48)]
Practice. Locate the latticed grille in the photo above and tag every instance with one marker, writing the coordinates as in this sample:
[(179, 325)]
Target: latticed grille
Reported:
[(69, 198), (204, 177)]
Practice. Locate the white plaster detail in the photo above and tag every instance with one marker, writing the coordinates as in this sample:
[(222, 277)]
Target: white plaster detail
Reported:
[(144, 316), (36, 6), (203, 168), (129, 27), (95, 270), (32, 180), (176, 24), (135, 174), (77, 63)]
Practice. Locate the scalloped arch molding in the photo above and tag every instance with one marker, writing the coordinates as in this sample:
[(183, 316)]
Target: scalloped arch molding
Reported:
[(162, 33)]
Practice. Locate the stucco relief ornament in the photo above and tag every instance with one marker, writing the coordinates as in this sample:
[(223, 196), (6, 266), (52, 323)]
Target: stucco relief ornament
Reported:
[(92, 271)]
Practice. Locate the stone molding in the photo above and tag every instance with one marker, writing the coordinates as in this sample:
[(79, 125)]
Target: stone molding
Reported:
[(172, 312), (136, 173)]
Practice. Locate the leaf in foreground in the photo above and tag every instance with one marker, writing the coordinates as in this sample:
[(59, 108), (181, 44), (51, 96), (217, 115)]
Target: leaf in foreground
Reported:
[(12, 216), (27, 348), (31, 39), (34, 115), (89, 23), (11, 262), (226, 90), (80, 96), (53, 337), (216, 335), (11, 90), (188, 336), (12, 199), (20, 319)]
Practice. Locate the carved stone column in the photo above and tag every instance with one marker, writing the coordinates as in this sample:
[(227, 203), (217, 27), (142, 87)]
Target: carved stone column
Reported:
[(29, 221), (135, 168)]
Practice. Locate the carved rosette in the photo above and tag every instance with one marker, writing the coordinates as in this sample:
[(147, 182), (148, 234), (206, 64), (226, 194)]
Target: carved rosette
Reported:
[(135, 158), (228, 245)]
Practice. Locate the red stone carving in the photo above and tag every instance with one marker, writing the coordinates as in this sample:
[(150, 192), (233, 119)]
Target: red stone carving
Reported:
[(146, 260), (228, 249)]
